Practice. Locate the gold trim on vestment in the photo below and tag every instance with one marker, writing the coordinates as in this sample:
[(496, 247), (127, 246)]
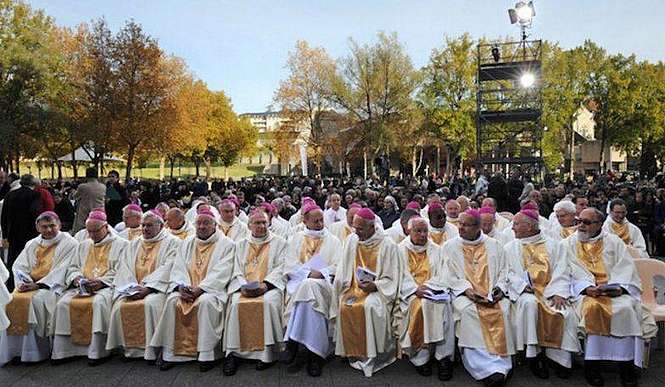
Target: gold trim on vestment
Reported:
[(250, 309), (622, 231), (596, 311), (550, 323), (476, 270), (438, 237), (352, 317), (567, 231), (186, 320), (310, 247), (80, 308), (132, 316), (420, 271), (146, 259), (18, 311), (133, 233), (44, 255), (80, 317)]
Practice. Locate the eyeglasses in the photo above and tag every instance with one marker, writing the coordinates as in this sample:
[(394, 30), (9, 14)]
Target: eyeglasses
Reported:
[(587, 221)]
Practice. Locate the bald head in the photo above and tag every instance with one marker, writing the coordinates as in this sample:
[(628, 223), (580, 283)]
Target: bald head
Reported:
[(453, 208), (227, 210), (313, 220), (364, 227), (524, 226), (175, 218)]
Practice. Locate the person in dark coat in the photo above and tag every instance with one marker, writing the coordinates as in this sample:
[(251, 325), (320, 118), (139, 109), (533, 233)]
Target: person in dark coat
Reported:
[(19, 213), (116, 198), (65, 211)]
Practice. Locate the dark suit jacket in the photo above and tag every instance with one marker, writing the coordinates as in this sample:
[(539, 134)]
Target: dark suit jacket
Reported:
[(19, 212)]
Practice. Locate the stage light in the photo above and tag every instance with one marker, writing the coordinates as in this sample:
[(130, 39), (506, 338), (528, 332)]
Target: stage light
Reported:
[(523, 13), (496, 54), (527, 80)]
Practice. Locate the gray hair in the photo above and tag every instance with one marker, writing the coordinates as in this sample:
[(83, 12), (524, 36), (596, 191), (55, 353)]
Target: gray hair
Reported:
[(565, 205), (415, 219)]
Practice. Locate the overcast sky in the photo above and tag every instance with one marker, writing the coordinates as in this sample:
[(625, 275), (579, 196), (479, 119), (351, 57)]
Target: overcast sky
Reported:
[(241, 46)]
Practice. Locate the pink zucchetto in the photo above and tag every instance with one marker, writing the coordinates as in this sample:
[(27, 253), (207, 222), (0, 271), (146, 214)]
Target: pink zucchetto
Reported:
[(97, 215), (235, 200), (228, 201), (530, 206), (530, 213), (487, 210), (155, 214), (309, 207), (366, 214), (413, 206), (306, 200), (134, 208), (472, 212), (433, 206), (269, 208), (206, 212), (355, 205)]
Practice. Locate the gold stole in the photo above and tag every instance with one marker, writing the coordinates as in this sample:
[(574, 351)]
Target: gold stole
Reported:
[(550, 323), (250, 309), (353, 316), (454, 222), (182, 234), (186, 318), (596, 311), (420, 271), (132, 312), (18, 308), (476, 271), (225, 229), (438, 237), (310, 247), (133, 233), (567, 231), (622, 231), (346, 232), (80, 308)]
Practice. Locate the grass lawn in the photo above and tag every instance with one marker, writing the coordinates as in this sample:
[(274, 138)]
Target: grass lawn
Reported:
[(151, 171)]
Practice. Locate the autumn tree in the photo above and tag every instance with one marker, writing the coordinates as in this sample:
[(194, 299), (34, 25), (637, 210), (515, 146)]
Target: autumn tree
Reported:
[(304, 96), (375, 84)]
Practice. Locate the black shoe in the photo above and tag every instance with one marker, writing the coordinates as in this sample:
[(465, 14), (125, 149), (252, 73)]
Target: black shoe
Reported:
[(96, 362), (425, 369), (561, 371), (55, 362), (166, 365), (627, 374), (592, 374), (445, 369), (291, 351), (230, 366), (261, 366), (314, 365), (495, 380), (538, 367), (151, 362), (205, 366)]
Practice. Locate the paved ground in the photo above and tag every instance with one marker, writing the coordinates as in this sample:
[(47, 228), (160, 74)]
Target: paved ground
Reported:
[(336, 373)]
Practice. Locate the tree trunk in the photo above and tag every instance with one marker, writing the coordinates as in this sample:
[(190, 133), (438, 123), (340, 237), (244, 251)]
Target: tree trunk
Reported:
[(59, 164), (162, 162), (208, 164), (172, 162), (226, 173), (365, 163), (18, 164), (602, 149), (197, 164), (74, 166), (52, 171), (130, 160), (438, 160), (448, 169)]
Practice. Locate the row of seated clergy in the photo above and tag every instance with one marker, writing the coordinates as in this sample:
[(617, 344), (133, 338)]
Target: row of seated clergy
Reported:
[(366, 314)]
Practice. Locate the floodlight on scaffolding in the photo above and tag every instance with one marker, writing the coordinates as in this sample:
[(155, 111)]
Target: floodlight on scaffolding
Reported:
[(527, 80), (523, 13)]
